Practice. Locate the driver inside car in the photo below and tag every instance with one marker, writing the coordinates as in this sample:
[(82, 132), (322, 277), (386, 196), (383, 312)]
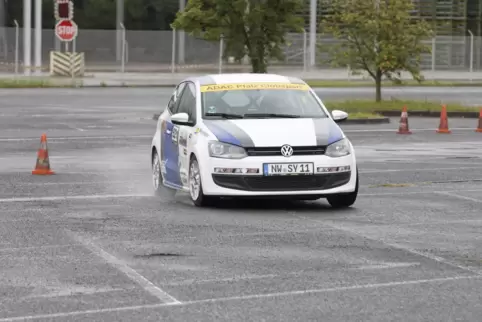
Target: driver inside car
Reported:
[(216, 104), (275, 103)]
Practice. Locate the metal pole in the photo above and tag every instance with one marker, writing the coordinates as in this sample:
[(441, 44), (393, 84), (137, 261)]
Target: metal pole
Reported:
[(182, 38), (305, 40), (471, 53), (313, 15), (127, 51), (16, 45), (221, 47), (119, 24), (123, 48), (27, 36), (173, 58), (433, 53), (38, 37)]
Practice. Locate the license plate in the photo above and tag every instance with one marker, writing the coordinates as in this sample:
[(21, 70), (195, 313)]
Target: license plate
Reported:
[(283, 169)]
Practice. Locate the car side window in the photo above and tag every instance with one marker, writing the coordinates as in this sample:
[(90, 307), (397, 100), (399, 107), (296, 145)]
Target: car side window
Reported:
[(174, 101), (187, 102)]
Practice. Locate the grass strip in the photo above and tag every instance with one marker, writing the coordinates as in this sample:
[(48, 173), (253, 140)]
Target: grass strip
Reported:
[(372, 107)]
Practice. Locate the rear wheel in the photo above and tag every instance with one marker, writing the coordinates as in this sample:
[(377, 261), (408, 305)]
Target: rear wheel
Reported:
[(159, 189), (195, 186), (344, 200)]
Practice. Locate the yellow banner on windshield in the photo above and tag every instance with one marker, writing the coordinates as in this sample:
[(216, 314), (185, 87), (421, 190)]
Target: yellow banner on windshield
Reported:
[(253, 86)]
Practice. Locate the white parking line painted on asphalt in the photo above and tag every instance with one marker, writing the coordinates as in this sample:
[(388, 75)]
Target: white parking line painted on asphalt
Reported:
[(408, 249), (243, 297), (132, 274), (454, 195), (333, 289), (53, 139), (60, 198), (75, 183), (218, 280), (86, 312), (394, 130), (86, 197), (401, 193), (17, 249), (73, 291), (442, 222), (295, 273), (384, 266), (420, 170)]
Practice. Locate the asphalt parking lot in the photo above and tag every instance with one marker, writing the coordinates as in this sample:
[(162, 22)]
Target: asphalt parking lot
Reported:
[(92, 243)]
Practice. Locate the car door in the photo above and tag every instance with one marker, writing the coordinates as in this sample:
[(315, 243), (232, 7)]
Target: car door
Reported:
[(169, 149), (187, 105)]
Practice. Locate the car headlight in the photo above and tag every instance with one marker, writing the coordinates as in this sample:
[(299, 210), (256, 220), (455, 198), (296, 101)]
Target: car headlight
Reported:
[(226, 151), (338, 149)]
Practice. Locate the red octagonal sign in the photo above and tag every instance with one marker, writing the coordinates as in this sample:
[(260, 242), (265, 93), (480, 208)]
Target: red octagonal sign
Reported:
[(66, 30)]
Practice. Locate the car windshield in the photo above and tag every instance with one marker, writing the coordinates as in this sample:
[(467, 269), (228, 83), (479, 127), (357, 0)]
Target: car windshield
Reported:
[(260, 100)]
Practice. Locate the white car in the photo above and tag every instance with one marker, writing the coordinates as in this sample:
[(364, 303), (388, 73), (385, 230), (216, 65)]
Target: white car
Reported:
[(252, 135)]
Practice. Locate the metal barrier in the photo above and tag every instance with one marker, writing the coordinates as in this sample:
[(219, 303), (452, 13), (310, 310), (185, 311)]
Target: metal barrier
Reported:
[(67, 64)]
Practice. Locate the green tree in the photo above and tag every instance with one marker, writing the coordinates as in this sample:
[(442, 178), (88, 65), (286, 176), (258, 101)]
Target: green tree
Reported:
[(255, 28), (376, 36)]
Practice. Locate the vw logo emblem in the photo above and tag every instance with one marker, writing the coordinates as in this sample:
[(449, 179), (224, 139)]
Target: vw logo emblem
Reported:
[(286, 150)]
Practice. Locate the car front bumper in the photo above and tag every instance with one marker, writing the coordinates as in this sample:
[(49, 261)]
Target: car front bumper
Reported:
[(334, 176)]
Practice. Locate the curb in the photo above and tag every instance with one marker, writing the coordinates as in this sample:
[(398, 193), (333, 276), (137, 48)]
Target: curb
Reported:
[(474, 114), (378, 120)]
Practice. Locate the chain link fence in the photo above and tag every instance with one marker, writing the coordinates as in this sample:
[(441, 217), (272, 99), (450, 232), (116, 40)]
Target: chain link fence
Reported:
[(163, 51)]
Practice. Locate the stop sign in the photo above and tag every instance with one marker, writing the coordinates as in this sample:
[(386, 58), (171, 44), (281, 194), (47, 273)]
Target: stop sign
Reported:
[(66, 30)]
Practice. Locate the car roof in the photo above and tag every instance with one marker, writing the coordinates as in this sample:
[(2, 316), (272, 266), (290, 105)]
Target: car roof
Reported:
[(236, 78)]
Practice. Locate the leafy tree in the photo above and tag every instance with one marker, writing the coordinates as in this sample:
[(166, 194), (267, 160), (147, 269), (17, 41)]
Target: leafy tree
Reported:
[(376, 36), (255, 28)]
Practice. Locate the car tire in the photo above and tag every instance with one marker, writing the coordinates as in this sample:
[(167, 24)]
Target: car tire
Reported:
[(195, 186), (160, 190), (344, 200)]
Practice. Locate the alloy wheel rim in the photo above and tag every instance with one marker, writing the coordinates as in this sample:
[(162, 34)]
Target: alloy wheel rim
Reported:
[(194, 181)]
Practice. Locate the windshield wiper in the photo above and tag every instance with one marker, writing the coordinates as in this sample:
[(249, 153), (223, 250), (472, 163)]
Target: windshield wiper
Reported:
[(274, 115), (226, 115)]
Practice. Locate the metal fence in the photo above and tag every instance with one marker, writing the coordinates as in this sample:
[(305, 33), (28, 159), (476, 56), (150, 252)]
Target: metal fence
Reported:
[(163, 51)]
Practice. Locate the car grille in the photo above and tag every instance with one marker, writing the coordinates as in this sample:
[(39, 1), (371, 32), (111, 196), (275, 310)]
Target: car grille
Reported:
[(276, 151), (282, 183)]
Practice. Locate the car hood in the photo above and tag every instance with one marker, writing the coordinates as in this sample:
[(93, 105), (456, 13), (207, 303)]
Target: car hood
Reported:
[(276, 132)]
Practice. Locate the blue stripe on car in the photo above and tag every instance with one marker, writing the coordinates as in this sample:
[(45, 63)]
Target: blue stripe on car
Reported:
[(221, 134), (335, 133)]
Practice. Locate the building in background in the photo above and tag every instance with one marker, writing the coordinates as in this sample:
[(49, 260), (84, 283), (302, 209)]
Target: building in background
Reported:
[(451, 20), (449, 17)]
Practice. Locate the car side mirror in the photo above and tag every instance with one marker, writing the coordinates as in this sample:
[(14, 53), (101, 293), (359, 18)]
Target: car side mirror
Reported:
[(339, 116), (180, 119)]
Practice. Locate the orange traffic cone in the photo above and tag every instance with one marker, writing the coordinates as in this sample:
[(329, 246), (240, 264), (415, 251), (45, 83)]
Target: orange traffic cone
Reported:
[(42, 167), (403, 128), (479, 127), (444, 123)]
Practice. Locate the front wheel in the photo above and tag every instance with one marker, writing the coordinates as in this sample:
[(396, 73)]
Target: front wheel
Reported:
[(195, 186), (159, 189), (344, 200)]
